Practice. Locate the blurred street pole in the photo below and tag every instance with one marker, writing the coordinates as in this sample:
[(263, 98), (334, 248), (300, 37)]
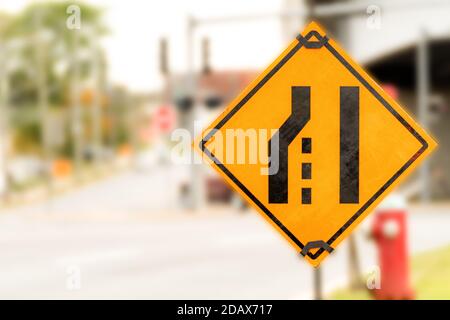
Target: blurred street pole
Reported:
[(197, 188), (164, 67), (75, 112), (40, 49), (133, 125), (310, 13), (206, 56), (423, 91), (355, 276), (4, 121), (96, 99), (167, 90)]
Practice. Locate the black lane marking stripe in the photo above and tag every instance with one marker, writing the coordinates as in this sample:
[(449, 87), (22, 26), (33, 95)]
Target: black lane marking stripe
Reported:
[(349, 145), (306, 195), (301, 113), (371, 200), (306, 145), (289, 130), (306, 171)]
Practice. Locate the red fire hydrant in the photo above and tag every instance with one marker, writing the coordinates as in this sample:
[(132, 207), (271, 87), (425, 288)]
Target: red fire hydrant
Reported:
[(390, 233)]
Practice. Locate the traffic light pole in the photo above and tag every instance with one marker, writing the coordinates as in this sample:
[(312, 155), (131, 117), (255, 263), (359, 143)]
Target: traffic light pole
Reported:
[(423, 87), (75, 116), (4, 122), (42, 92), (96, 113), (197, 187)]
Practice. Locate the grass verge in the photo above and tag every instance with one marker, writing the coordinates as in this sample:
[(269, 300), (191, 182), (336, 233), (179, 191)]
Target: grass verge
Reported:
[(430, 277)]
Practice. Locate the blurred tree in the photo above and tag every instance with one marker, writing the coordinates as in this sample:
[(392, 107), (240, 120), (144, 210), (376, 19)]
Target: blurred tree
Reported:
[(4, 22), (43, 27), (60, 45), (119, 117)]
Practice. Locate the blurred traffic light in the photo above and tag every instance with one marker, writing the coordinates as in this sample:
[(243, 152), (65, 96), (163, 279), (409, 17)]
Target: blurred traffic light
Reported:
[(184, 103), (213, 102)]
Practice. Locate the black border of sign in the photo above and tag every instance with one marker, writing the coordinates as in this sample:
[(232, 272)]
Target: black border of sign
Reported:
[(303, 43)]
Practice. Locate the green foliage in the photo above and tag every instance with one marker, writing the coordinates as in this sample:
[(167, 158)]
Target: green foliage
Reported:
[(431, 274), (48, 20), (43, 26), (120, 116), (27, 131)]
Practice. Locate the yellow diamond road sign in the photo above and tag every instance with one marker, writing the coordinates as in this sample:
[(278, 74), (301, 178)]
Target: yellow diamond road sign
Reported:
[(314, 144)]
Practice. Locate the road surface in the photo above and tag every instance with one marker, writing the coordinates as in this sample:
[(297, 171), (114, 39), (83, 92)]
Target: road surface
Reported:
[(115, 239)]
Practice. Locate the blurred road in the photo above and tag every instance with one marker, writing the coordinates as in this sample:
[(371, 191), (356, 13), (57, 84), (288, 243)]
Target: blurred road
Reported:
[(134, 191), (111, 232)]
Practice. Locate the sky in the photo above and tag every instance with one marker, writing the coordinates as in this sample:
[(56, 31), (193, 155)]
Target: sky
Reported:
[(136, 27)]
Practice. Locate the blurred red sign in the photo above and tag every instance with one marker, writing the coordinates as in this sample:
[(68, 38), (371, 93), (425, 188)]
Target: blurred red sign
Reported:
[(164, 118)]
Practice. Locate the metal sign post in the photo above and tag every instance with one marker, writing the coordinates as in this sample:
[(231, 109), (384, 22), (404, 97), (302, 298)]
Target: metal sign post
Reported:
[(317, 276)]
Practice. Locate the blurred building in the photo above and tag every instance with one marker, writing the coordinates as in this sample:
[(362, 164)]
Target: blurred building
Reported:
[(399, 69), (385, 36)]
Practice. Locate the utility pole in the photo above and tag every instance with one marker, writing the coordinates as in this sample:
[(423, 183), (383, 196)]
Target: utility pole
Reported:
[(75, 112), (96, 99), (164, 57), (354, 268), (197, 188), (4, 120), (423, 90), (167, 94), (131, 106), (42, 94), (206, 63)]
